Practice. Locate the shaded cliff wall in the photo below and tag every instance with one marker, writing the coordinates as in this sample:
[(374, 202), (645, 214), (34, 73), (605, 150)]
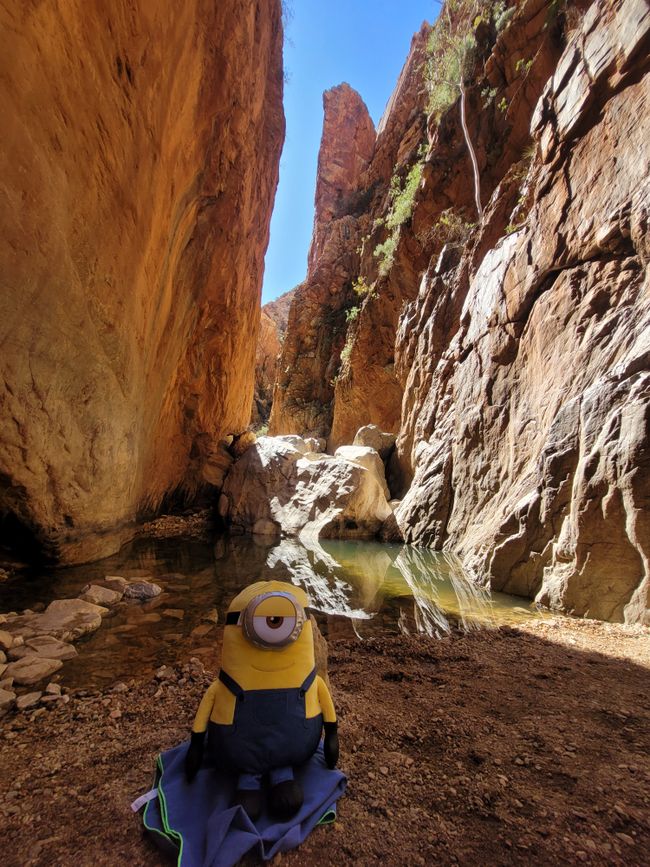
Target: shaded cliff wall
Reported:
[(511, 352), (139, 164), (527, 391)]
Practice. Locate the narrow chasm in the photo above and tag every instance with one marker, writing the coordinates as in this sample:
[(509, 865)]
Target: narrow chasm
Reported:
[(324, 492)]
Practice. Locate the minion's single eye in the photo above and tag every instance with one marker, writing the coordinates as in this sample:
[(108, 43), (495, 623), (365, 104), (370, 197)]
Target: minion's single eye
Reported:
[(274, 630)]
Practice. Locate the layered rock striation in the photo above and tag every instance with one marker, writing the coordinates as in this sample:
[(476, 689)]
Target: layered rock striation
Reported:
[(310, 359), (273, 327), (509, 352), (139, 165), (526, 411)]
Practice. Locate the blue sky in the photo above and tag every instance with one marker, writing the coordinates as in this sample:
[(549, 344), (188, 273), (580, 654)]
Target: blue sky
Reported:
[(363, 42)]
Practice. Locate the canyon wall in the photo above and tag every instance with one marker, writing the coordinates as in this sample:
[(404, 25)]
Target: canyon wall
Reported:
[(304, 388), (273, 327), (140, 159), (510, 351)]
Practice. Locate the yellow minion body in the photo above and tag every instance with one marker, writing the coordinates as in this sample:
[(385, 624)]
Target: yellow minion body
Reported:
[(263, 668)]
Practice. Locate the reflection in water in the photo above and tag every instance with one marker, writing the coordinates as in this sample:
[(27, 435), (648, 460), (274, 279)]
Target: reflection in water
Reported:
[(361, 589)]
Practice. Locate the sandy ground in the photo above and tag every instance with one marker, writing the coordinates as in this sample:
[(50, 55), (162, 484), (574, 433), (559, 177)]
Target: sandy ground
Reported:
[(518, 746)]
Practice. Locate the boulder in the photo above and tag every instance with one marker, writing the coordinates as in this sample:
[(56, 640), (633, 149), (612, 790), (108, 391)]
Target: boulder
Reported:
[(32, 669), (216, 465), (274, 490), (295, 442), (367, 457), (374, 438), (316, 444), (100, 595)]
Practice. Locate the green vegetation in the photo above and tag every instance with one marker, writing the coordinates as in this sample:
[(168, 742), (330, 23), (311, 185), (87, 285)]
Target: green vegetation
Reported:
[(400, 211), (503, 105), (362, 288), (451, 228), (262, 430), (523, 66), (352, 314)]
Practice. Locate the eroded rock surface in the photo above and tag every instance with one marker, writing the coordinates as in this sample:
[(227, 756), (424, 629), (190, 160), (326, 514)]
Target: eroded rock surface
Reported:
[(276, 489), (527, 417), (315, 336), (139, 165)]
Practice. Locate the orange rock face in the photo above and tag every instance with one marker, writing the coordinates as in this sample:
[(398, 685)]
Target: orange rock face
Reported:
[(302, 398), (139, 164), (268, 349)]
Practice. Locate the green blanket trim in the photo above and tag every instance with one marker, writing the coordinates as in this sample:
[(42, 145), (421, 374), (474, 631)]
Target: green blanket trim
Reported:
[(174, 837), (169, 834)]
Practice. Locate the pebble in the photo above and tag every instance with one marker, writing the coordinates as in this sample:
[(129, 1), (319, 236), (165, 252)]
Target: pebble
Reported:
[(176, 613), (53, 689), (115, 714), (28, 700), (383, 770), (625, 838)]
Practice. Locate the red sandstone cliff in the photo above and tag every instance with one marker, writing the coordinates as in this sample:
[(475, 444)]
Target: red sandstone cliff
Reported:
[(309, 362), (139, 165), (510, 353)]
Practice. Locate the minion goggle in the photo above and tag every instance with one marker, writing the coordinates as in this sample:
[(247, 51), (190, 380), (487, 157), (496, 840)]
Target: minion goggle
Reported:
[(271, 620)]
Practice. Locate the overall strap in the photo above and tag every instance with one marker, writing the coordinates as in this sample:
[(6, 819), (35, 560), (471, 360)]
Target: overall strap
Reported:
[(311, 677), (231, 684)]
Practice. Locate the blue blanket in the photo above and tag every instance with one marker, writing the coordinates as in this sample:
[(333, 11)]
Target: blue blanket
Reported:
[(196, 823)]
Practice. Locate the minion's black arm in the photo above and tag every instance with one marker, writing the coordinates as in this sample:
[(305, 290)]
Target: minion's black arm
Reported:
[(331, 744), (194, 755)]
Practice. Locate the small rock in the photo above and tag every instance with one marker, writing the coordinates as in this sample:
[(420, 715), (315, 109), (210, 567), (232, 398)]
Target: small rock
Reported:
[(3, 656), (115, 714), (142, 590), (211, 616), (7, 701), (625, 838), (53, 689), (100, 595), (7, 683), (3, 668), (6, 640), (176, 613), (32, 668), (23, 702), (200, 631), (120, 687), (383, 770)]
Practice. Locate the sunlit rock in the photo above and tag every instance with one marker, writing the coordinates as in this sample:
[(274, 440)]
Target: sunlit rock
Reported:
[(274, 491), (375, 438), (32, 669)]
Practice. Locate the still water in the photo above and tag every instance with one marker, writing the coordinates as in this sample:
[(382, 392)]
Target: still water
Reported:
[(360, 589)]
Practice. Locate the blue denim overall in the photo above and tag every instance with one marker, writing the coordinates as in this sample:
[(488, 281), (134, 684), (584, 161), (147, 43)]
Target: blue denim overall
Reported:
[(269, 733)]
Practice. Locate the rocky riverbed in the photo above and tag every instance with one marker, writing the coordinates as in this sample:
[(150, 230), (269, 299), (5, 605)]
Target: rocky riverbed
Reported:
[(519, 745)]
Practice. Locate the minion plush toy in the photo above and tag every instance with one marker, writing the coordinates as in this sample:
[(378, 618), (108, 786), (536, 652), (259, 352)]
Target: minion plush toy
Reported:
[(266, 712)]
